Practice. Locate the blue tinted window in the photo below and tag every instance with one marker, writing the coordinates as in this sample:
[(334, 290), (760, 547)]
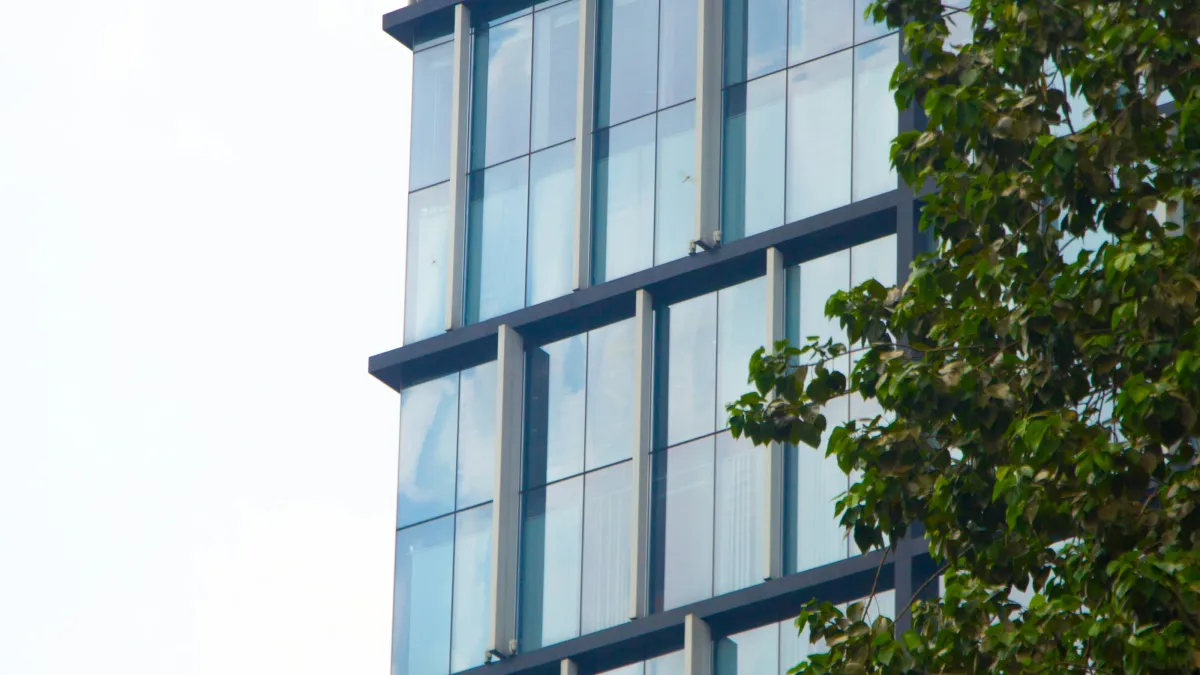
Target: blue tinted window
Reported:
[(752, 652), (812, 485), (876, 117), (606, 521), (689, 371), (756, 37), (496, 240), (753, 168), (623, 200), (551, 563), (741, 329), (675, 219), (611, 381), (818, 133), (739, 526), (555, 388), (677, 52), (433, 80), (627, 45), (428, 438), (551, 223), (819, 27), (874, 260), (426, 268), (555, 73), (502, 83), (477, 435), (682, 524), (472, 587), (864, 28), (815, 281), (421, 607)]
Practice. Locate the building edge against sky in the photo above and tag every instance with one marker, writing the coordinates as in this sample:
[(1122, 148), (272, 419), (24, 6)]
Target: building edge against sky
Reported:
[(612, 204)]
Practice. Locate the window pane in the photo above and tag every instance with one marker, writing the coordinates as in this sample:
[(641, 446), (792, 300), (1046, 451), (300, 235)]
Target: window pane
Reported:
[(818, 171), (876, 117), (421, 607), (812, 485), (689, 370), (741, 471), (682, 524), (554, 413), (606, 520), (676, 204), (426, 272), (433, 80), (794, 646), (874, 260), (755, 38), (667, 664), (428, 436), (627, 44), (611, 381), (555, 72), (502, 82), (864, 28), (753, 652), (551, 562), (477, 435), (819, 279), (677, 55), (752, 192), (819, 27), (624, 200), (472, 587), (961, 31), (496, 240), (551, 223), (741, 329)]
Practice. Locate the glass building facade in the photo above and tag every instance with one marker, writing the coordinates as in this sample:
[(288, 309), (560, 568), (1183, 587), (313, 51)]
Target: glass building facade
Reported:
[(580, 311)]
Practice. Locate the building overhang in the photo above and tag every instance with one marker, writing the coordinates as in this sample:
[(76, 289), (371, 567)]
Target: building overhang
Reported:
[(419, 17)]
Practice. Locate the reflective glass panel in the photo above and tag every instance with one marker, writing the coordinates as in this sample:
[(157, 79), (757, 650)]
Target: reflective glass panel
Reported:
[(606, 521), (812, 485), (426, 272), (874, 260), (682, 524), (496, 240), (819, 27), (814, 282), (472, 587), (667, 664), (428, 437), (753, 652), (818, 142), (551, 562), (502, 83), (876, 117), (864, 28), (961, 31), (756, 37), (421, 608), (676, 200), (477, 435), (555, 73), (689, 370), (624, 200), (626, 62), (611, 379), (554, 421), (551, 223), (741, 470), (433, 80), (741, 329), (677, 52), (753, 169)]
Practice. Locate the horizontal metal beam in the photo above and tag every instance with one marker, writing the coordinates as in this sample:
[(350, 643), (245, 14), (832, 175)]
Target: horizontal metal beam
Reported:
[(405, 23)]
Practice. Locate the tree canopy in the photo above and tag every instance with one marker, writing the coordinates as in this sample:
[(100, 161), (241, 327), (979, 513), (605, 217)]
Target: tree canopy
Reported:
[(1040, 368)]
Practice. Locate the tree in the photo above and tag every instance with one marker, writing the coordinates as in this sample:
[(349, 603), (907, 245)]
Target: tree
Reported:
[(1042, 399)]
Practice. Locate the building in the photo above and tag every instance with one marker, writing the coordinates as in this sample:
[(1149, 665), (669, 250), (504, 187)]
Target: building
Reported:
[(612, 204)]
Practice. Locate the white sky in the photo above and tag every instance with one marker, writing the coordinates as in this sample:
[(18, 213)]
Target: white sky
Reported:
[(202, 212)]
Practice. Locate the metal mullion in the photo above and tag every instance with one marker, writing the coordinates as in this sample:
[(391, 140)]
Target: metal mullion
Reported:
[(774, 489), (709, 91), (641, 469), (459, 163), (585, 112)]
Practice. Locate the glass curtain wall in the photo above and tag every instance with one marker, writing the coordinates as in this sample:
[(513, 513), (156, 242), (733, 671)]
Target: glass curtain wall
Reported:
[(520, 222), (644, 190), (667, 664), (576, 518), (813, 74), (812, 482), (444, 523), (707, 507)]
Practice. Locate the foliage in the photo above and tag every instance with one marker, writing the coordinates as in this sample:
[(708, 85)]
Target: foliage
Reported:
[(1043, 399)]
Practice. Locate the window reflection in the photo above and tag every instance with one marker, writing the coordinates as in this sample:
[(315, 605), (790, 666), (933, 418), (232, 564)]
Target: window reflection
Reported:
[(427, 260), (818, 27), (502, 85), (753, 166), (624, 200), (428, 442), (554, 417), (677, 52), (555, 73), (421, 607), (627, 44), (740, 471), (606, 548), (433, 80), (472, 587), (876, 117), (551, 223), (755, 38), (819, 128), (689, 371), (477, 434), (551, 563), (675, 213), (610, 397), (682, 525), (496, 240)]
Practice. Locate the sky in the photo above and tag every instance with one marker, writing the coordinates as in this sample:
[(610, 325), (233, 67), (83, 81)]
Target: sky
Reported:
[(202, 213)]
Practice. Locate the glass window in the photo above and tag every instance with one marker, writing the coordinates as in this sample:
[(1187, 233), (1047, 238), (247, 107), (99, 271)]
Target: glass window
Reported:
[(811, 284), (865, 28), (472, 587), (555, 387), (818, 27), (756, 38), (627, 44), (624, 199), (741, 329), (874, 260), (682, 525), (555, 73), (496, 240), (477, 435), (741, 472), (753, 166), (752, 652), (689, 371), (677, 52), (812, 485), (675, 219), (433, 82), (667, 664), (421, 607), (551, 224), (606, 537), (611, 382), (426, 272), (551, 563), (818, 135), (961, 31), (428, 438), (502, 84), (876, 117)]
